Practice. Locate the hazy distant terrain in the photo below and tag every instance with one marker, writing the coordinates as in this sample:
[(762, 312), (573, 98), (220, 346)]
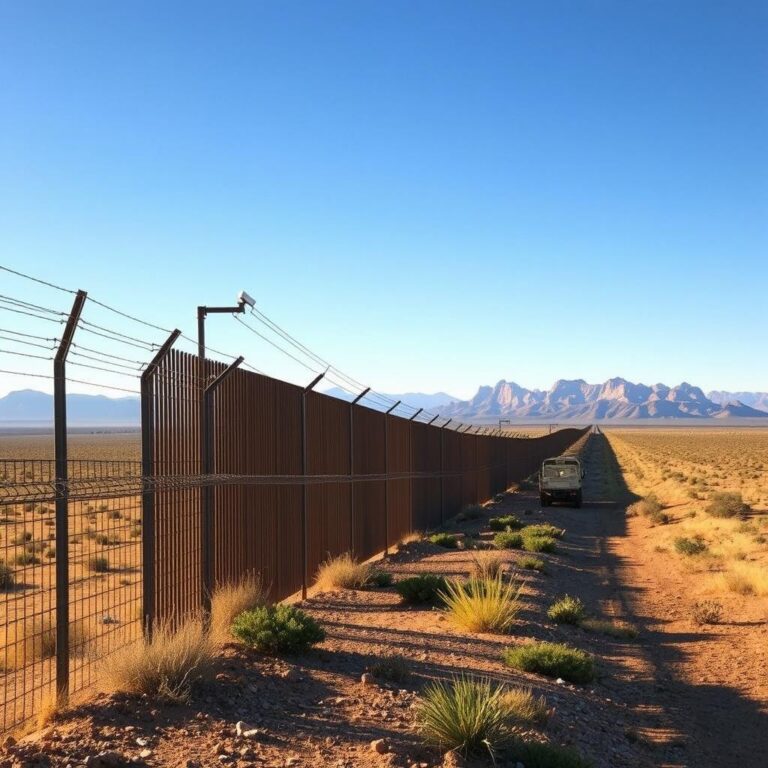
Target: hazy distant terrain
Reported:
[(576, 400), (617, 400)]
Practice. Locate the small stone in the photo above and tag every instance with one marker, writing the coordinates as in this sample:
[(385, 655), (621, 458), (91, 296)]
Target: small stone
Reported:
[(142, 741), (8, 741), (380, 746), (241, 727), (560, 681), (367, 678), (105, 760), (145, 753)]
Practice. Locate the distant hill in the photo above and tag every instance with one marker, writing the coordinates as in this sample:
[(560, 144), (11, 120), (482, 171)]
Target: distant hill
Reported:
[(576, 400), (27, 405), (416, 399), (758, 400), (567, 400)]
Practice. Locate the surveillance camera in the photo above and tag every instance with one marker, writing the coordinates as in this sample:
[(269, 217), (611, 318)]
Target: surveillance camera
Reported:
[(244, 298)]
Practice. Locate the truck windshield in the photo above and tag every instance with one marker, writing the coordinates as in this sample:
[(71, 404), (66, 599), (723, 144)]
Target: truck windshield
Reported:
[(561, 470)]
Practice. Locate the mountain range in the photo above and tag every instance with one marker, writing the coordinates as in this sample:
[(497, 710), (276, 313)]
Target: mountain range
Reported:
[(27, 405), (567, 400), (614, 399)]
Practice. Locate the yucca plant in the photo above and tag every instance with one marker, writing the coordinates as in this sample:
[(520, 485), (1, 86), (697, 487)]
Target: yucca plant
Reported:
[(467, 715), (483, 605)]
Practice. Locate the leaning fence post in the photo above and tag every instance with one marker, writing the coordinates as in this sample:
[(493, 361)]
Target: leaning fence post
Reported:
[(304, 499), (62, 496), (148, 491), (206, 532)]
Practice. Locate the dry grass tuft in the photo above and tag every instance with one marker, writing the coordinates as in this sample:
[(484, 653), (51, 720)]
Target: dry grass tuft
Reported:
[(707, 612), (525, 708), (50, 707), (167, 667), (342, 572), (749, 579), (410, 538), (618, 629), (488, 564), (35, 640), (483, 605), (229, 600)]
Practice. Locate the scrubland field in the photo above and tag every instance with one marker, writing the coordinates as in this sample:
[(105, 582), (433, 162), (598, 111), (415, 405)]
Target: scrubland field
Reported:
[(711, 486), (104, 567)]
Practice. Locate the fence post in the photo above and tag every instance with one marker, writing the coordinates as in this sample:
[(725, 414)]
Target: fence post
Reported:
[(148, 491), (352, 468), (62, 496), (304, 465), (442, 470), (410, 461), (386, 477), (206, 533)]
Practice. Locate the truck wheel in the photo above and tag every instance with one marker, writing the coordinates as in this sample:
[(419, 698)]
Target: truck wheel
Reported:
[(577, 501), (544, 500)]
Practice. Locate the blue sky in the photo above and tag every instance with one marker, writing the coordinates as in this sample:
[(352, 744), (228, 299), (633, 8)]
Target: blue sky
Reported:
[(431, 195)]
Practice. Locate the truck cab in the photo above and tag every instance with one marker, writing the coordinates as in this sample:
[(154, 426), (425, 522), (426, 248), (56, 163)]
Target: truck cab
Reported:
[(561, 479)]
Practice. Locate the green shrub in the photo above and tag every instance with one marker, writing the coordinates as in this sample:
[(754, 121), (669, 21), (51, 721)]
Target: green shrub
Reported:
[(465, 715), (534, 754), (543, 529), (531, 563), (660, 518), (552, 660), (277, 629), (647, 507), (379, 579), (618, 629), (535, 542), (26, 558), (447, 540), (23, 538), (6, 576), (50, 553), (473, 511), (505, 522), (686, 546), (567, 610), (420, 589), (508, 540), (98, 564), (391, 667), (726, 504)]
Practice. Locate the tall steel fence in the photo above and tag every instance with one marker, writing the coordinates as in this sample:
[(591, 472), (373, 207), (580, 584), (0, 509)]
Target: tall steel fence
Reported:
[(293, 477), (240, 474)]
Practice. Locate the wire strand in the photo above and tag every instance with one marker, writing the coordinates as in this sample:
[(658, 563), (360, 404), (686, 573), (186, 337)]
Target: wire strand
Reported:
[(36, 279)]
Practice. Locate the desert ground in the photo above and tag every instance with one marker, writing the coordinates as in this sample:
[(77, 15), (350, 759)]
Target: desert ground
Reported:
[(678, 632)]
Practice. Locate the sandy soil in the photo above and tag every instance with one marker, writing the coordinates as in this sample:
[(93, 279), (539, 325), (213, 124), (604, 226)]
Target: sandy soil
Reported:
[(677, 695)]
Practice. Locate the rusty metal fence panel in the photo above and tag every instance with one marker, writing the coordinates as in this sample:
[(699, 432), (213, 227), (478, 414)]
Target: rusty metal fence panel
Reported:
[(135, 529)]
